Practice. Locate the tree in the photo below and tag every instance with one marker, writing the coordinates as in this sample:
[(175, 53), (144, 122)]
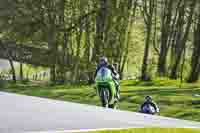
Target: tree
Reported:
[(166, 18), (182, 35), (148, 8), (100, 26), (195, 62)]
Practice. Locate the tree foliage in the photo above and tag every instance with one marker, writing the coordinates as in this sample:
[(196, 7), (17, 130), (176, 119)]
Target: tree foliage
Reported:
[(88, 29)]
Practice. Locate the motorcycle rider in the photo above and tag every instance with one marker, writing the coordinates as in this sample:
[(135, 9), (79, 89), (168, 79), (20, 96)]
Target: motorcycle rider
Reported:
[(146, 106), (103, 62)]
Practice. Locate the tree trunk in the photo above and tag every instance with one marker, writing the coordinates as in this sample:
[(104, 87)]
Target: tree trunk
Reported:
[(195, 62), (165, 25), (51, 44), (144, 74), (60, 69), (27, 74), (88, 51), (21, 72), (121, 56), (51, 35), (148, 13), (100, 24), (12, 70), (161, 70)]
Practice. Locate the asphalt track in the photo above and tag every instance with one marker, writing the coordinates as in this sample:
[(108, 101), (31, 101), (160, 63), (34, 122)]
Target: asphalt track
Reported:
[(19, 113)]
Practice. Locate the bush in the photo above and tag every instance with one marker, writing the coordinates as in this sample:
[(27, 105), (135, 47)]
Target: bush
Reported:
[(2, 83), (25, 81)]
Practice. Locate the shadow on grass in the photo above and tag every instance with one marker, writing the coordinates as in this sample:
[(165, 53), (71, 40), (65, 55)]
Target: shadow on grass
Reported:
[(158, 83)]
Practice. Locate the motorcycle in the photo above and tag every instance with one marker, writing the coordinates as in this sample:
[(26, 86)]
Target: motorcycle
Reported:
[(106, 88), (148, 109)]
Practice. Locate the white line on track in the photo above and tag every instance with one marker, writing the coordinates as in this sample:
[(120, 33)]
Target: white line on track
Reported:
[(85, 130)]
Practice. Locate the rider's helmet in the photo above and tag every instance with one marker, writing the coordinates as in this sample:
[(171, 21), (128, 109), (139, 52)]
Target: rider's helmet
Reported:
[(103, 60), (148, 98)]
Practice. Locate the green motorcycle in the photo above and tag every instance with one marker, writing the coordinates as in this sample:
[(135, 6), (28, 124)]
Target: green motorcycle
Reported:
[(106, 88)]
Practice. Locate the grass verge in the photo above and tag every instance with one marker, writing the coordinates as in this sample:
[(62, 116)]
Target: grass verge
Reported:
[(152, 130)]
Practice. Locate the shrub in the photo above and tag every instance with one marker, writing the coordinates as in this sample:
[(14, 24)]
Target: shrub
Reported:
[(2, 83)]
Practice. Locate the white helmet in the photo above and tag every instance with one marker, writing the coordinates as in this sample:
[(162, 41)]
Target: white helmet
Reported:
[(103, 60)]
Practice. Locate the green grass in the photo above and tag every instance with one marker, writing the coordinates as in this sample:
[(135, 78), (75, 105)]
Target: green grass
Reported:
[(173, 101), (151, 130)]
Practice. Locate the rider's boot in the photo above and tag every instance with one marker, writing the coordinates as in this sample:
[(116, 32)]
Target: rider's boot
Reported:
[(118, 92)]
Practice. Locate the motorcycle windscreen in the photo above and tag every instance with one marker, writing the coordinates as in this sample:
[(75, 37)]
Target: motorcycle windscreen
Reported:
[(104, 75)]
